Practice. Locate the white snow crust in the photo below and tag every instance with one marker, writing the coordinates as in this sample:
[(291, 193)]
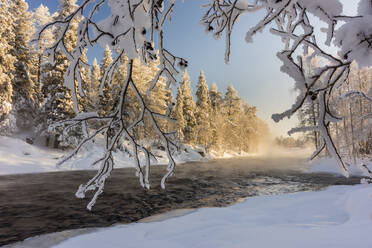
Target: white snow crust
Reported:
[(330, 165), (339, 217)]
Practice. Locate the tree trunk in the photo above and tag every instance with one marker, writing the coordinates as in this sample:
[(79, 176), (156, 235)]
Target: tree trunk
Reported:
[(315, 124), (56, 141), (47, 140), (352, 129), (39, 66)]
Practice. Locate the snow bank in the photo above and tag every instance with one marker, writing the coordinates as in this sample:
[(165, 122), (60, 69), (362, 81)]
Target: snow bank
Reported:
[(329, 165), (338, 217), (17, 156)]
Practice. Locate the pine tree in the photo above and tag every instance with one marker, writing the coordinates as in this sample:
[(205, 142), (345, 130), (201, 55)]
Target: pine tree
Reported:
[(216, 97), (118, 79), (106, 59), (232, 104), (58, 103), (106, 100), (86, 84), (203, 112), (42, 17), (188, 110), (249, 129), (6, 66), (231, 111), (158, 98), (66, 7), (25, 86), (177, 113), (92, 92), (217, 120), (308, 116)]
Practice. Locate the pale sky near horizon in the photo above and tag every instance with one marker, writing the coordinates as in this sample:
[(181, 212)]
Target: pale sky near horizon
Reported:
[(254, 69)]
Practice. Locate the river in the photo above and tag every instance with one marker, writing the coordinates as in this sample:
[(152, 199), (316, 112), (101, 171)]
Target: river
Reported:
[(35, 204)]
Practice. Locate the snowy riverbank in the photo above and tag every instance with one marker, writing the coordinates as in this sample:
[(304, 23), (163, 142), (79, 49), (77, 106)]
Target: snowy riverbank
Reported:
[(338, 217), (17, 157)]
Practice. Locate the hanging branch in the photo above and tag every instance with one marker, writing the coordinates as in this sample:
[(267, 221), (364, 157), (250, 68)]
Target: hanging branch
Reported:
[(130, 29)]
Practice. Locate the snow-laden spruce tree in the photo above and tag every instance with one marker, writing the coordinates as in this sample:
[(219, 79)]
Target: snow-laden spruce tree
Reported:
[(95, 79), (158, 99), (85, 74), (136, 29), (7, 121), (177, 113), (231, 109), (41, 17), (188, 110), (106, 99), (58, 104), (203, 112), (251, 131), (217, 121), (24, 83)]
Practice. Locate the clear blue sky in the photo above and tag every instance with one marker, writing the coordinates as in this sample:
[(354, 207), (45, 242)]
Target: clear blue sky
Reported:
[(254, 69)]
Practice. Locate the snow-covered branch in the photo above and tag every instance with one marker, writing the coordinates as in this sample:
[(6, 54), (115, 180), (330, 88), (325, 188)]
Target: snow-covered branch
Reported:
[(130, 30)]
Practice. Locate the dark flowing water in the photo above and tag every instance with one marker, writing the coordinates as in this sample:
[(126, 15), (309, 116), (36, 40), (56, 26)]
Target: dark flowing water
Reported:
[(35, 204)]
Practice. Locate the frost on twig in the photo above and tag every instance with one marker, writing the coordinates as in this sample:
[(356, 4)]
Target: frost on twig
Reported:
[(134, 29)]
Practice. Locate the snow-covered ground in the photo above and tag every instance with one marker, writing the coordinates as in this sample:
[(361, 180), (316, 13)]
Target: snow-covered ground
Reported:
[(331, 166), (17, 156), (338, 217)]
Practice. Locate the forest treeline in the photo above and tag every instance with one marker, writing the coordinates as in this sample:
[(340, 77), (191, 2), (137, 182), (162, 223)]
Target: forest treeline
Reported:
[(33, 96)]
